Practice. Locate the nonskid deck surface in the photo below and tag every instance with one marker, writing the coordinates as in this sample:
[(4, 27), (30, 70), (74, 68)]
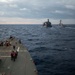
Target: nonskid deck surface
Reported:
[(23, 65)]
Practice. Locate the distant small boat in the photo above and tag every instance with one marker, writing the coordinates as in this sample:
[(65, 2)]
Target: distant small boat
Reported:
[(61, 24), (47, 24)]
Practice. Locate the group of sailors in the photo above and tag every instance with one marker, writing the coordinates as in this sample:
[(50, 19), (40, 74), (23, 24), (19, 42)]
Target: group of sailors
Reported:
[(5, 43), (14, 52)]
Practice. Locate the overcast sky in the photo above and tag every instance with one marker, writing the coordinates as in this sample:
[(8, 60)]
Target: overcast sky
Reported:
[(37, 11)]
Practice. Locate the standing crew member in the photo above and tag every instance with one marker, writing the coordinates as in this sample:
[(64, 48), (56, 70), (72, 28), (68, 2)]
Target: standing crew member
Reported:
[(14, 47), (13, 55)]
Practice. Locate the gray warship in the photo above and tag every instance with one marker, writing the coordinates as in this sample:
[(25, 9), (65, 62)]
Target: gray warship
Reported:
[(47, 24)]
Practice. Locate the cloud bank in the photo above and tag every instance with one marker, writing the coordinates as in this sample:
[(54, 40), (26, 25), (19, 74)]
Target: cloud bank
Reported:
[(37, 9)]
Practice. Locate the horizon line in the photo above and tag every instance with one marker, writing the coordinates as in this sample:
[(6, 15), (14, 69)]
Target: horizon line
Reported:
[(28, 24)]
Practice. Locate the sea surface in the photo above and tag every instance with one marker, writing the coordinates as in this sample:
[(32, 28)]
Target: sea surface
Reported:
[(52, 49)]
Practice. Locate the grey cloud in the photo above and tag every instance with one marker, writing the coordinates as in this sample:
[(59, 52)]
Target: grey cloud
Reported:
[(38, 9)]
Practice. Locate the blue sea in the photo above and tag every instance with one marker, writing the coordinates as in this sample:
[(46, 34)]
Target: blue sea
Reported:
[(52, 49)]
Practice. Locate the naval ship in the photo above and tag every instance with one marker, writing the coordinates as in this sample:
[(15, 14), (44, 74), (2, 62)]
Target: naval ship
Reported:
[(47, 24), (23, 64)]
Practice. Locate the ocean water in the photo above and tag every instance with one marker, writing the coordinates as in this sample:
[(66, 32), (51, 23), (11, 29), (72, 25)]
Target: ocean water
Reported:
[(52, 49)]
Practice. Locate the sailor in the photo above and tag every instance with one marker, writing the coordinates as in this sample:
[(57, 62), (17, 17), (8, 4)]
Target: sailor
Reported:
[(13, 55), (1, 43), (16, 54), (11, 37), (7, 43), (19, 41), (14, 47)]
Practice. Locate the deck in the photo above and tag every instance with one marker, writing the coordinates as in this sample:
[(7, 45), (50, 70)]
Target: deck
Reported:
[(23, 65)]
